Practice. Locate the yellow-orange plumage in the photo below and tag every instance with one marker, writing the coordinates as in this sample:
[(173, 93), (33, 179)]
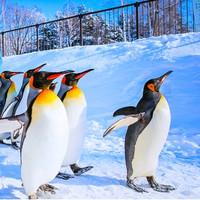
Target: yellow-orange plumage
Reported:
[(46, 97), (75, 92)]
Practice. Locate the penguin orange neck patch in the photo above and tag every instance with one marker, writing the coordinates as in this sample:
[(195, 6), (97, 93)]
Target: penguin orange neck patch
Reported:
[(75, 92), (46, 97), (12, 87)]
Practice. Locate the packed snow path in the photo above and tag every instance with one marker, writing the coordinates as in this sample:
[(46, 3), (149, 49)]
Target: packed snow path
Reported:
[(121, 70)]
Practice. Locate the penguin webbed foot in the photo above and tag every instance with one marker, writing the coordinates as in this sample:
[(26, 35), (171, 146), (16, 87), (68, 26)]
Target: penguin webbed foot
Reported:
[(48, 188), (131, 184), (64, 176), (78, 170), (159, 187), (33, 196)]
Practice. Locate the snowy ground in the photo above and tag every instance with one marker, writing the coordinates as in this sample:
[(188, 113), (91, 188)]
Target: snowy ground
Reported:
[(120, 72)]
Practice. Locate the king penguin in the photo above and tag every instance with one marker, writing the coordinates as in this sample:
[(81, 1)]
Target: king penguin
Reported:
[(7, 89), (146, 135), (45, 135), (19, 104), (75, 105), (7, 93)]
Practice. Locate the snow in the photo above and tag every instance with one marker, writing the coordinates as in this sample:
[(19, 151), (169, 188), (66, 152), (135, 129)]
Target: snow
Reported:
[(121, 70)]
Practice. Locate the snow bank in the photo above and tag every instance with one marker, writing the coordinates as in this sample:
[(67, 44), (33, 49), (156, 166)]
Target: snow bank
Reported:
[(121, 70)]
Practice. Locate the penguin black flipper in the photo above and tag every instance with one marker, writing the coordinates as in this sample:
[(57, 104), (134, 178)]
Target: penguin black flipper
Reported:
[(125, 121), (27, 119), (10, 107), (125, 111), (2, 102), (12, 124)]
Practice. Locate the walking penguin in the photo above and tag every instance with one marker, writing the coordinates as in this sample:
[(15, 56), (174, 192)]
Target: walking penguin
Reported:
[(75, 105), (45, 136), (7, 90), (20, 103), (148, 126)]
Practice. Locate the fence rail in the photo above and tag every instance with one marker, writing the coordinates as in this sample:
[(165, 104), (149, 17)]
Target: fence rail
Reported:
[(122, 23)]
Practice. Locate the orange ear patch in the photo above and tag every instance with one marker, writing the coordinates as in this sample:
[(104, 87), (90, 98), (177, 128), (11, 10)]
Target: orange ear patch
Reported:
[(151, 87), (31, 82), (2, 75), (63, 80)]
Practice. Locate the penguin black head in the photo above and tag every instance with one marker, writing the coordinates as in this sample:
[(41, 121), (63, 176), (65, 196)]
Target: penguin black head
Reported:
[(153, 85), (73, 78), (43, 79), (30, 72), (8, 74)]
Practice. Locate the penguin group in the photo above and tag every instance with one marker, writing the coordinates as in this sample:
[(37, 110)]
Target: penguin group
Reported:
[(49, 139), (49, 128)]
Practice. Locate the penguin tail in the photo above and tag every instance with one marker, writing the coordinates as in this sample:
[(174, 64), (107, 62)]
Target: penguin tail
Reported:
[(125, 121)]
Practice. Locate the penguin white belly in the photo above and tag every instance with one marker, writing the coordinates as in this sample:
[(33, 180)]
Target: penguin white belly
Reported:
[(151, 141), (45, 145), (22, 107), (76, 112)]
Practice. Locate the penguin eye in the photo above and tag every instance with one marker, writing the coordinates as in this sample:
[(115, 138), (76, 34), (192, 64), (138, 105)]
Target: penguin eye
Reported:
[(151, 87)]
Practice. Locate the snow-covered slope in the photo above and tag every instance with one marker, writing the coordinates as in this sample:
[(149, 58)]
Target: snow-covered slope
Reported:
[(121, 70)]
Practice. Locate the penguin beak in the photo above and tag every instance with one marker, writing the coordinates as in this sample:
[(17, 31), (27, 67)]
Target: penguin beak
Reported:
[(15, 73), (80, 75), (160, 80), (163, 77), (30, 72), (38, 68), (54, 75)]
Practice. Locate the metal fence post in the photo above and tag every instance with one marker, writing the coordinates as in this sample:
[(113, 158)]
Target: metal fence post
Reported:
[(81, 30), (137, 20), (3, 46), (37, 37)]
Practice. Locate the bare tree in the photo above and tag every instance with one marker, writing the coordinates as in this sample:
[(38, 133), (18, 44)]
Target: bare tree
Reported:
[(3, 14), (13, 17)]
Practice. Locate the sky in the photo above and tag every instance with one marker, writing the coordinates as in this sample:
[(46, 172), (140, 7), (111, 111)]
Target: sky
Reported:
[(49, 7)]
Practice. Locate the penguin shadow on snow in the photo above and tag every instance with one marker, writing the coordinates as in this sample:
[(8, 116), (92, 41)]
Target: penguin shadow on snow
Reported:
[(91, 180), (9, 192), (8, 169), (10, 178)]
